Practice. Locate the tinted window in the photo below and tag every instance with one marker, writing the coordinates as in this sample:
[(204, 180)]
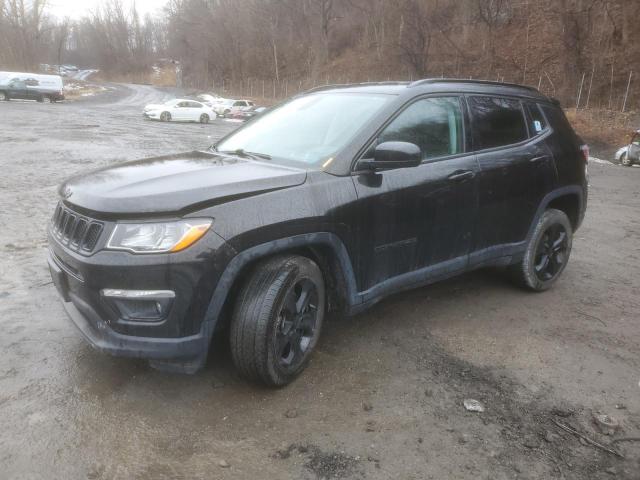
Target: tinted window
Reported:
[(183, 104), (496, 122), (195, 105), (535, 118), (434, 124)]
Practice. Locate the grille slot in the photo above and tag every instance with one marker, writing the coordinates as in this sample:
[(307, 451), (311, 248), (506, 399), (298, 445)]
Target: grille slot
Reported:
[(76, 231)]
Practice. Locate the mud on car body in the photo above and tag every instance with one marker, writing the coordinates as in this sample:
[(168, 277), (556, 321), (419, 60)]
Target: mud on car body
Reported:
[(330, 201)]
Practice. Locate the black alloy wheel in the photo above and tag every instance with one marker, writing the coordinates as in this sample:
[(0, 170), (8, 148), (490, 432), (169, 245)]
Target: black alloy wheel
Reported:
[(277, 319), (165, 116), (551, 254), (296, 328), (547, 252), (204, 118)]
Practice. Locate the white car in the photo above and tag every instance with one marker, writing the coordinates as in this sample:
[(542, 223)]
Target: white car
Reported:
[(226, 106), (179, 110)]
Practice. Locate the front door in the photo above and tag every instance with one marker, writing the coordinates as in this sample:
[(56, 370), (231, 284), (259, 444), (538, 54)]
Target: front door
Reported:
[(413, 218), (18, 89)]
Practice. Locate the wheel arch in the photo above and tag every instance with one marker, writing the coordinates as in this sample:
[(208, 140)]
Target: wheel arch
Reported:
[(569, 199), (324, 248)]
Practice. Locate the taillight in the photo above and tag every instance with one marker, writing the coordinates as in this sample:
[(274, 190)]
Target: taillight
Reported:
[(585, 152)]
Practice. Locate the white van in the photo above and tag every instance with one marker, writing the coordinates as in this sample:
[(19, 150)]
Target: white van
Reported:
[(31, 86)]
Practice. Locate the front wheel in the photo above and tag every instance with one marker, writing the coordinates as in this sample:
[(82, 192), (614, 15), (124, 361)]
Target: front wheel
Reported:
[(277, 319), (625, 160), (547, 252), (204, 118), (165, 116)]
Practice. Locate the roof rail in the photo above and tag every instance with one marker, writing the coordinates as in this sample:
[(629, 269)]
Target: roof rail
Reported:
[(362, 84), (477, 82)]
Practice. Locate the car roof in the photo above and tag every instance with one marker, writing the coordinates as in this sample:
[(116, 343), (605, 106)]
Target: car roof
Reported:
[(436, 85)]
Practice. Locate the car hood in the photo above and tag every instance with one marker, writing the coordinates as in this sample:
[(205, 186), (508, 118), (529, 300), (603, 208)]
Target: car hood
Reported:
[(175, 184)]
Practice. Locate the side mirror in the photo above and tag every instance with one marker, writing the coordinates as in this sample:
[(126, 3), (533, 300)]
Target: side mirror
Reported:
[(390, 155)]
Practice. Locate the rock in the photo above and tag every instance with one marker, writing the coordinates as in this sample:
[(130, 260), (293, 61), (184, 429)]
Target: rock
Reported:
[(473, 405), (215, 383), (531, 441), (621, 406), (291, 413), (428, 393), (550, 437), (367, 407), (223, 464)]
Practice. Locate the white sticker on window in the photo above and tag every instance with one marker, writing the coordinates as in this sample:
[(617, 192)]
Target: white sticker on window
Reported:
[(537, 125)]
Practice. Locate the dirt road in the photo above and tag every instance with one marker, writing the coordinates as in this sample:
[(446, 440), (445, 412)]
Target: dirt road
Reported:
[(383, 397)]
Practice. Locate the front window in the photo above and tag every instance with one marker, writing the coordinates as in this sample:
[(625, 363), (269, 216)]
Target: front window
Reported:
[(309, 129), (433, 124)]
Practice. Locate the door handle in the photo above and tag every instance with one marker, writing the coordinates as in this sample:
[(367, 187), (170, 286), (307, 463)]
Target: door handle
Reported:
[(540, 159), (461, 175)]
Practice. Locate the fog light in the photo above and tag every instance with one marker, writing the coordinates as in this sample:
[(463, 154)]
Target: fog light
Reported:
[(139, 305)]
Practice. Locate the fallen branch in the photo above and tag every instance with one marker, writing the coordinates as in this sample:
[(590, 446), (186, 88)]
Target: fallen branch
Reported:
[(567, 428), (626, 439)]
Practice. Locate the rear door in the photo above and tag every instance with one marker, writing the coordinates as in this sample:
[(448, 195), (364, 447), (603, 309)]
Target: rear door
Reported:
[(412, 218), (516, 170)]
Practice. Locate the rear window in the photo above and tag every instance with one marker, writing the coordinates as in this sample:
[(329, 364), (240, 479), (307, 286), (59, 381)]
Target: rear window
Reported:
[(497, 122), (535, 119)]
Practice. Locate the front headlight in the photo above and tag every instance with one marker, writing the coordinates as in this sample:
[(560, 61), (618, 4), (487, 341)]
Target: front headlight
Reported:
[(158, 237)]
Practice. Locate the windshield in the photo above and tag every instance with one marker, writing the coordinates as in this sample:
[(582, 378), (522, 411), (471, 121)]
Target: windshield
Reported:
[(309, 129)]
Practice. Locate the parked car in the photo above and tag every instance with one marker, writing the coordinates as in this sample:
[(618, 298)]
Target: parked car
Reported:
[(244, 115), (179, 110), (31, 86), (224, 107), (209, 99), (328, 202), (630, 154)]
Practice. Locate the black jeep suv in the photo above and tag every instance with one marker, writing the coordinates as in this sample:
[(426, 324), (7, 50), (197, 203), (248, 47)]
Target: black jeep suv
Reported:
[(330, 201)]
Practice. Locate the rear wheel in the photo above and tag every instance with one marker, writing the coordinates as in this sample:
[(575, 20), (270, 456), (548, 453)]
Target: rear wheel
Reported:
[(204, 118), (625, 160), (165, 116), (547, 252), (3, 96), (277, 319), (46, 99)]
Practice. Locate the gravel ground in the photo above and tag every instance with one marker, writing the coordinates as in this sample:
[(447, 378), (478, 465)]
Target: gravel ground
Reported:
[(383, 397)]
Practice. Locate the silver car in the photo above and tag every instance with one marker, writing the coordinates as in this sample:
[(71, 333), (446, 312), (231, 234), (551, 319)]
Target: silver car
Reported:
[(630, 154)]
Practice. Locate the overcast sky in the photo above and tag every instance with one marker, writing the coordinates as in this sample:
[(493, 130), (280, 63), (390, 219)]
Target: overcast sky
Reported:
[(77, 8)]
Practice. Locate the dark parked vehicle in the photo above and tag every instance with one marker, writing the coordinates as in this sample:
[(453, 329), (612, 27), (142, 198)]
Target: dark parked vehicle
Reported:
[(42, 88), (328, 202)]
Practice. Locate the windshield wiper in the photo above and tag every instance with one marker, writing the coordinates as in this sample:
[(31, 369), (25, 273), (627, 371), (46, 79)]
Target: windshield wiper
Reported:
[(240, 152)]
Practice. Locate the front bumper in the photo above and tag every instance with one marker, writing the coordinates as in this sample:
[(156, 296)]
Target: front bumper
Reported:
[(181, 337)]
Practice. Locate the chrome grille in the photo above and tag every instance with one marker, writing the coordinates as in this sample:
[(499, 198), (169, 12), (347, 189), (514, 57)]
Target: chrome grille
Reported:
[(78, 232)]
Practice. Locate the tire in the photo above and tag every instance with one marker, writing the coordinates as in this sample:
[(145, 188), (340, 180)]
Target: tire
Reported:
[(273, 328), (625, 160), (3, 96), (204, 118), (547, 252), (165, 117), (46, 99)]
